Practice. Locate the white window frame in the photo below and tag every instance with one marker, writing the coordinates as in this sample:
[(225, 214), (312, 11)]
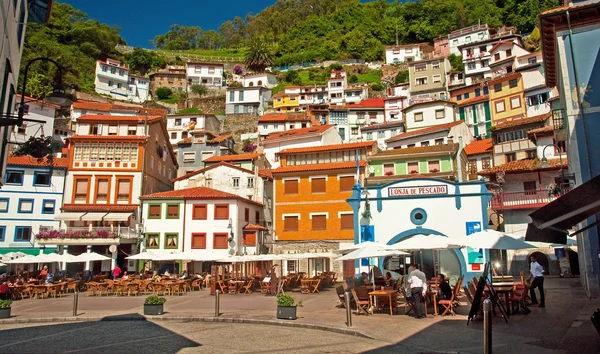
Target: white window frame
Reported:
[(187, 158), (310, 215), (436, 78)]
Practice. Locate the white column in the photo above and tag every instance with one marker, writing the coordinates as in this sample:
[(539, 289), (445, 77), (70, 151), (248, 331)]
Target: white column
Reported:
[(114, 259), (87, 264), (64, 264)]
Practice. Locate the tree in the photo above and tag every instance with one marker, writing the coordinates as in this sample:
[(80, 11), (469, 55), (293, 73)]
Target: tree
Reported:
[(456, 62), (142, 61), (290, 75), (179, 38), (259, 56), (200, 90), (402, 77), (377, 87), (163, 93), (38, 86), (353, 79)]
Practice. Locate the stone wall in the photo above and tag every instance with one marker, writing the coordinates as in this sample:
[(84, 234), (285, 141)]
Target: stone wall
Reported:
[(238, 124), (310, 246), (210, 104)]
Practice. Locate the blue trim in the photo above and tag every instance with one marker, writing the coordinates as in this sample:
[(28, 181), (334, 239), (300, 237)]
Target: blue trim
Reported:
[(17, 228), (379, 198), (35, 176), (53, 206), (2, 233), (21, 200), (14, 184), (39, 168), (28, 219), (458, 198), (29, 192), (414, 220), (7, 204)]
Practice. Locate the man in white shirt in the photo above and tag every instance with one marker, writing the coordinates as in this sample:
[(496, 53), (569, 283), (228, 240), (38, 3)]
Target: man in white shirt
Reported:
[(417, 281), (537, 273)]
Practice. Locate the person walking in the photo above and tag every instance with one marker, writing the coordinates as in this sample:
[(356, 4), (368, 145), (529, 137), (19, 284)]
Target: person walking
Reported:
[(417, 281), (116, 272), (537, 273), (274, 280)]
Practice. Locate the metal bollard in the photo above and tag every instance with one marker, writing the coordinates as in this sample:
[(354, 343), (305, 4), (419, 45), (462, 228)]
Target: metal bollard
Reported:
[(75, 300), (217, 300), (348, 309), (487, 326)]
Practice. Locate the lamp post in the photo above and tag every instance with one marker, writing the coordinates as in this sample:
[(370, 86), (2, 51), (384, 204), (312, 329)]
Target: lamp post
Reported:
[(545, 164)]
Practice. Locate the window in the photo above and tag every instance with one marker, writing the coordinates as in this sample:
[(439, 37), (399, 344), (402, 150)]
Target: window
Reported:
[(319, 222), (500, 106), (532, 60), (485, 63), (439, 141), (257, 217), (199, 212), (189, 156), (112, 130), (433, 166), (110, 83), (81, 188), (221, 211), (14, 177), (241, 96), (173, 135), (22, 233), (123, 189), (413, 167), (510, 157), (235, 182), (172, 211), (515, 102), (381, 134), (418, 116), (199, 240), (119, 85), (529, 187), (4, 205), (2, 233), (102, 189), (458, 97), (347, 221), (497, 87), (220, 241), (435, 65), (231, 96), (420, 67), (152, 240), (508, 53), (425, 143), (290, 186), (171, 240), (41, 179), (318, 185), (468, 39), (440, 114), (421, 81), (250, 239), (455, 42), (354, 130), (486, 90), (132, 130), (512, 83), (22, 129), (346, 183), (290, 223), (466, 95), (25, 206), (48, 206), (497, 56), (477, 92), (154, 211), (246, 215), (369, 136), (388, 169), (486, 163), (436, 78), (531, 154), (472, 66)]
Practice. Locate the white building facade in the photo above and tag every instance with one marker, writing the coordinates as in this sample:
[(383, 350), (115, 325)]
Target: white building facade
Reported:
[(247, 100), (402, 53), (113, 79), (207, 74)]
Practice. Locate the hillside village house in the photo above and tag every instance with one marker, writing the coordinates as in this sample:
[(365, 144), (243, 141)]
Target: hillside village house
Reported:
[(337, 84), (441, 47), (480, 154), (393, 107), (363, 114), (264, 79), (36, 110), (507, 97), (201, 145), (429, 79), (311, 213), (428, 113), (537, 94), (477, 57), (112, 161), (81, 107), (173, 77), (356, 93), (30, 198), (456, 79), (247, 100), (207, 74), (473, 107), (278, 122), (180, 126), (297, 138), (313, 95), (115, 80), (502, 57), (381, 132), (467, 35), (209, 223), (441, 134), (287, 100), (403, 53)]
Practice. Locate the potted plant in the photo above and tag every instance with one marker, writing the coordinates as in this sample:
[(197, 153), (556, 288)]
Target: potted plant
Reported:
[(554, 190), (153, 305), (5, 308), (413, 171), (434, 170), (389, 173), (286, 307)]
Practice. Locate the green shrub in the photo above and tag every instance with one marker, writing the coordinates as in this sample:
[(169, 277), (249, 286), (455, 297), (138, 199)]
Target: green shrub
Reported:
[(290, 75), (163, 93), (377, 87), (154, 300), (353, 79), (4, 304), (287, 300), (335, 66)]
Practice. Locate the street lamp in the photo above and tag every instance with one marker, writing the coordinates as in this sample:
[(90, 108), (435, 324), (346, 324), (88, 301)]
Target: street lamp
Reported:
[(545, 164)]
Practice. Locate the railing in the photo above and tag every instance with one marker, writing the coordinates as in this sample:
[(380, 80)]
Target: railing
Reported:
[(87, 233), (525, 199)]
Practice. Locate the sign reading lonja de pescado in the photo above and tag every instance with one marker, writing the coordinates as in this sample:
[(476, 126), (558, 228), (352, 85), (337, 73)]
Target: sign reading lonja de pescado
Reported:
[(425, 190)]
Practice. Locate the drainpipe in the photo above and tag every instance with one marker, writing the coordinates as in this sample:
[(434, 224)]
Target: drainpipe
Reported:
[(143, 164), (458, 159)]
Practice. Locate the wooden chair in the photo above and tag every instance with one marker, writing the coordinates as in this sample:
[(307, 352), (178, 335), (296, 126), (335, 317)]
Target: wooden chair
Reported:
[(315, 285), (178, 287), (362, 306), (188, 284), (52, 290), (409, 306), (448, 305), (158, 288), (247, 287), (281, 286), (92, 288), (144, 286), (196, 283), (517, 299), (133, 288), (305, 286), (72, 286), (119, 289), (341, 296), (265, 287), (221, 287)]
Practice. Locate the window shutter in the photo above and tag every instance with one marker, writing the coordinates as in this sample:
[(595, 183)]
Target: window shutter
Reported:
[(346, 183), (199, 240), (102, 192), (220, 241), (250, 239), (290, 187), (173, 211), (434, 165), (347, 221), (154, 211), (199, 212), (319, 222), (318, 185), (221, 212), (123, 191), (257, 216), (247, 215), (81, 186), (290, 223)]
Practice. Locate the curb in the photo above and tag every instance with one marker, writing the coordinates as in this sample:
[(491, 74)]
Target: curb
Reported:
[(340, 330)]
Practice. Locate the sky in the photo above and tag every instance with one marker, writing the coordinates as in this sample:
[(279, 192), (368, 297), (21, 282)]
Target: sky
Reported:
[(142, 20)]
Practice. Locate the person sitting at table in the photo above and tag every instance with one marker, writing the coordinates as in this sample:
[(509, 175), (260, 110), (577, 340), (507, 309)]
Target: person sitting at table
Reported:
[(87, 275), (155, 276), (125, 276), (389, 280), (444, 289), (49, 278), (4, 294), (167, 274), (184, 275), (20, 280), (43, 273), (363, 279)]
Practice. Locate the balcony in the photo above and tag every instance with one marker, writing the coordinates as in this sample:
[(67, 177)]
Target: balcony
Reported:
[(87, 236), (523, 200)]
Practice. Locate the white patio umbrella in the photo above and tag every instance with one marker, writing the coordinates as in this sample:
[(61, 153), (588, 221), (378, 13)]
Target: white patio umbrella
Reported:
[(147, 255), (2, 264), (371, 250), (23, 260), (492, 239), (92, 256)]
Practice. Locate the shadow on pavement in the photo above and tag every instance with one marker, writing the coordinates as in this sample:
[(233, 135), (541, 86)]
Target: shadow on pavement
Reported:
[(110, 335)]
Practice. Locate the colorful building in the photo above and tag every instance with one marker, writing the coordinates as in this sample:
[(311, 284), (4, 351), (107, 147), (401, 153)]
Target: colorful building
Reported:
[(278, 122), (507, 98), (287, 100), (480, 155)]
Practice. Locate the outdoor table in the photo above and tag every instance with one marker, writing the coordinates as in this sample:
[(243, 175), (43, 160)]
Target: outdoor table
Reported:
[(102, 287), (504, 288), (390, 294)]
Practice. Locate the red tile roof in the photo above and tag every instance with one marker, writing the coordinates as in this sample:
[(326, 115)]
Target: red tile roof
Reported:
[(284, 117), (30, 100), (294, 133), (220, 138), (185, 141), (473, 100), (110, 137), (428, 130), (202, 170), (545, 130), (197, 193), (382, 126), (503, 61), (445, 148), (319, 167), (254, 227), (137, 118), (476, 147), (369, 103), (428, 102), (92, 106), (523, 121), (100, 207), (367, 144), (504, 77), (265, 173), (233, 157), (521, 166), (27, 160)]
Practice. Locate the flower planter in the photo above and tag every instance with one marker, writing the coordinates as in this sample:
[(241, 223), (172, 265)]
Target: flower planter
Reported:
[(153, 309), (5, 312), (286, 312)]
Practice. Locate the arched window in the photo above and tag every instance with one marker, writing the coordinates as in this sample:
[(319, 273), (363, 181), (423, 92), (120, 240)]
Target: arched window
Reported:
[(251, 84), (259, 82)]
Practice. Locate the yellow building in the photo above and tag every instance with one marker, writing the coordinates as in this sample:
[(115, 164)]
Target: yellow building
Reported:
[(287, 100), (507, 98)]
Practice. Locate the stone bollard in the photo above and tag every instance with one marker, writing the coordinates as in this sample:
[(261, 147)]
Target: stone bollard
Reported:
[(487, 326), (217, 303), (348, 309)]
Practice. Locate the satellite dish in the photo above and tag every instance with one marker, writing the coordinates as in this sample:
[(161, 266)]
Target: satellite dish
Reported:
[(371, 170), (112, 248)]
